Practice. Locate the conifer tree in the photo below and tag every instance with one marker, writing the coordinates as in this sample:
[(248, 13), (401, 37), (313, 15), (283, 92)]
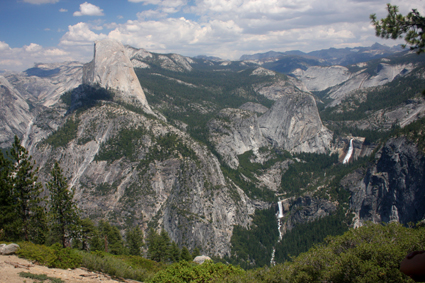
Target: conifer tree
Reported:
[(153, 241), (195, 253), (174, 252), (64, 214), (7, 205), (185, 255), (26, 190), (88, 233), (112, 236), (134, 240), (159, 246)]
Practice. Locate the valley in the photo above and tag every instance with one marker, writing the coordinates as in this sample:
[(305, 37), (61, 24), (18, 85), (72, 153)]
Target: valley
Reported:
[(241, 159)]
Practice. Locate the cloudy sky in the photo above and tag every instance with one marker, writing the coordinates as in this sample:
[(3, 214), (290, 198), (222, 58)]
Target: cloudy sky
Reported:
[(63, 30)]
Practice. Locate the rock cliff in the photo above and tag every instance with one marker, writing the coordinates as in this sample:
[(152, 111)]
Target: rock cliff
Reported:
[(111, 68), (293, 123), (392, 189)]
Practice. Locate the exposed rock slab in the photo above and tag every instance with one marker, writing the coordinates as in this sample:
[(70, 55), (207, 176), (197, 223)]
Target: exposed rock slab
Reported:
[(111, 68), (293, 123)]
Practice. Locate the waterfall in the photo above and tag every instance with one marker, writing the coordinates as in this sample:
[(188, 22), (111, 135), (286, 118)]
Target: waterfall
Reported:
[(279, 204), (349, 153), (279, 225)]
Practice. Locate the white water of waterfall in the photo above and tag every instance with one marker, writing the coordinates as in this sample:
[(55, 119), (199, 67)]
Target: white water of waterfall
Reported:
[(279, 204), (349, 153), (279, 225)]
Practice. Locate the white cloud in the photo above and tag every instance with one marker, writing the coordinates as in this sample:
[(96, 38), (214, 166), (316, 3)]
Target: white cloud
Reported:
[(4, 46), (19, 59), (39, 2), (33, 47), (62, 10), (80, 34), (87, 9)]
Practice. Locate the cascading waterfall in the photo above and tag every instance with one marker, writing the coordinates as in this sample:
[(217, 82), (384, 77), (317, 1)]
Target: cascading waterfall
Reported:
[(279, 225), (349, 153)]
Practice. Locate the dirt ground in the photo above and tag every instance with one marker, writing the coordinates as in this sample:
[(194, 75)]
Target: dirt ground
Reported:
[(11, 266)]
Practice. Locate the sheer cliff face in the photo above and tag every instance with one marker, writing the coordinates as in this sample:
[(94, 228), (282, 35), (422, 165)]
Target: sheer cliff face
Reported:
[(293, 123), (14, 113), (393, 188), (112, 69)]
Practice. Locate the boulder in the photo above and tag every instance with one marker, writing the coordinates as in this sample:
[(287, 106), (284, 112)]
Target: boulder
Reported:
[(8, 249), (201, 258)]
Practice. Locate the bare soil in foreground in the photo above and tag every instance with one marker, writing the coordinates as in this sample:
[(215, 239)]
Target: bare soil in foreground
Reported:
[(11, 266)]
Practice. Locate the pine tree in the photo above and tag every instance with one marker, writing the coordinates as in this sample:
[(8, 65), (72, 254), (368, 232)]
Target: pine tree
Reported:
[(185, 255), (87, 234), (112, 236), (64, 214), (195, 253), (174, 252), (7, 205), (159, 246), (134, 240), (153, 242), (26, 190)]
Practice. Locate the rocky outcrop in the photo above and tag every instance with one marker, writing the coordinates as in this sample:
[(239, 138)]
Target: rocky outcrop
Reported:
[(317, 78), (392, 189), (293, 123), (233, 132), (111, 68), (9, 249)]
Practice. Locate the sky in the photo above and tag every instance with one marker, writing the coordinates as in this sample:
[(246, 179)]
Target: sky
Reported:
[(47, 31)]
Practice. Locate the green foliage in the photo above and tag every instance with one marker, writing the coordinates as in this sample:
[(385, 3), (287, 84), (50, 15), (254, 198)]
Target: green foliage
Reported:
[(189, 272), (253, 247), (159, 245), (23, 218), (301, 174), (40, 277), (111, 234), (63, 211), (124, 144), (134, 240), (62, 136), (303, 236), (368, 254), (185, 255), (67, 98), (396, 26), (54, 256)]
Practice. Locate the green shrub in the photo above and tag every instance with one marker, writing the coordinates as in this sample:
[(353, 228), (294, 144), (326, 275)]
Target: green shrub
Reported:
[(54, 256), (129, 267), (191, 272)]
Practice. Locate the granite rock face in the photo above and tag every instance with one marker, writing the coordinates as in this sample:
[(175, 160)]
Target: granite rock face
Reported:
[(393, 188), (111, 68), (293, 123)]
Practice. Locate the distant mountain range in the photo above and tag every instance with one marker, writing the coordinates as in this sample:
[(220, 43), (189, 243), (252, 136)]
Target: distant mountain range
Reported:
[(286, 62)]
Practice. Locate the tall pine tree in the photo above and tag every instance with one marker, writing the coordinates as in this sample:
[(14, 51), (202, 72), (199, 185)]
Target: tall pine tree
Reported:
[(64, 214), (25, 192), (134, 240), (7, 205)]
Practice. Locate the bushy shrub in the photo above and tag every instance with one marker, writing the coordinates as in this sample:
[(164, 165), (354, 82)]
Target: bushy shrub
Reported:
[(191, 272), (368, 254), (54, 256), (129, 267)]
